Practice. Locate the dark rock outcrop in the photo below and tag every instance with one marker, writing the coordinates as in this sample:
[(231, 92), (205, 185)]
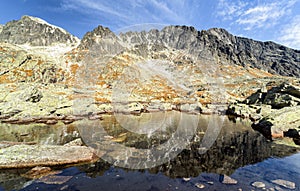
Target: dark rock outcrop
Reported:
[(34, 31), (284, 95)]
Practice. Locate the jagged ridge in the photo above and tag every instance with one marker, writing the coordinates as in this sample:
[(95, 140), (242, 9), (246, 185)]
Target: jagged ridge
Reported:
[(214, 43)]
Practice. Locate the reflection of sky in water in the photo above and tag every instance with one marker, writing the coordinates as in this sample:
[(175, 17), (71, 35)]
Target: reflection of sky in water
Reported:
[(237, 152), (119, 179)]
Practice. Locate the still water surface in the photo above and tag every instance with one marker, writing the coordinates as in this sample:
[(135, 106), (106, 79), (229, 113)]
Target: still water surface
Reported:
[(194, 160)]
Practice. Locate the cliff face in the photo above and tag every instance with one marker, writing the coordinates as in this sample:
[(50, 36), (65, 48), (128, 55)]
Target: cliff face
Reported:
[(35, 32), (268, 56)]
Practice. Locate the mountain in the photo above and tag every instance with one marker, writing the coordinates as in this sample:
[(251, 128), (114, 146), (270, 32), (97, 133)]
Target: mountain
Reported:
[(214, 43), (36, 32)]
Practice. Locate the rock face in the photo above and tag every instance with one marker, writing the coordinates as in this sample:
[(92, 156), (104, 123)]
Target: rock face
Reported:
[(213, 43), (268, 56), (34, 31), (91, 38)]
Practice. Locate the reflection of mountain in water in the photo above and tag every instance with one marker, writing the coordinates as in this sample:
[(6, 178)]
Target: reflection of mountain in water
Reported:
[(237, 145)]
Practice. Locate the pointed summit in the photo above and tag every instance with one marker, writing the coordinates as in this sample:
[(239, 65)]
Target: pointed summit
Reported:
[(36, 32)]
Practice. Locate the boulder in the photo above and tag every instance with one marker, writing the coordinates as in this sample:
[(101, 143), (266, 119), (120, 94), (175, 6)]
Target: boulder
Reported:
[(24, 156)]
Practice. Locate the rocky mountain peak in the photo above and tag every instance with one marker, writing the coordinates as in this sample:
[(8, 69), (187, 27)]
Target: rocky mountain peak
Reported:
[(93, 37), (36, 32)]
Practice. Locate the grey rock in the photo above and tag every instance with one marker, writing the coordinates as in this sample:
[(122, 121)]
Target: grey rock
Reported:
[(20, 156), (34, 31), (199, 185), (224, 179), (284, 95), (284, 183), (76, 142), (258, 184), (1, 27)]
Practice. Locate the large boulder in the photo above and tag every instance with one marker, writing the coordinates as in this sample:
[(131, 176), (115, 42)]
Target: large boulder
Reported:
[(284, 95)]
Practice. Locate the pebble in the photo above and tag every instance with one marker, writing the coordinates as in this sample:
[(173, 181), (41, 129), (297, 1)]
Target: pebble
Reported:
[(198, 185), (284, 183), (186, 179), (258, 184)]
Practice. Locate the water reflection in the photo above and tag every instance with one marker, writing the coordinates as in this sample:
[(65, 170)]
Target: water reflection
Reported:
[(37, 133), (236, 146)]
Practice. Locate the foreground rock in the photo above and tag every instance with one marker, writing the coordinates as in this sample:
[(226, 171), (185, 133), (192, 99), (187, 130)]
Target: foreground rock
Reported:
[(274, 110), (24, 156)]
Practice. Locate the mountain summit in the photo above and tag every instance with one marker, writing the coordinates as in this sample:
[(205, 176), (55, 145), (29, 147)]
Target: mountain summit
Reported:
[(34, 31)]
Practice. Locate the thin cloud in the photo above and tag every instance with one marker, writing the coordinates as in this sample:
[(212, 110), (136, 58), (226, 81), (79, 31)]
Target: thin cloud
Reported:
[(290, 35), (228, 9), (121, 13), (264, 15), (86, 5), (254, 16)]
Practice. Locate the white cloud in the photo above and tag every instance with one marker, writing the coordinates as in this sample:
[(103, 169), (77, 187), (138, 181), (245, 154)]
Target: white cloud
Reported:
[(290, 36), (229, 9), (264, 15), (254, 16), (87, 5)]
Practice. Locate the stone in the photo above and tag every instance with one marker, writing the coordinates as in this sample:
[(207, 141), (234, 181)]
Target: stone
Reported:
[(224, 179), (258, 184), (285, 183), (24, 156), (186, 179), (38, 172), (51, 122), (199, 185), (54, 179), (76, 142)]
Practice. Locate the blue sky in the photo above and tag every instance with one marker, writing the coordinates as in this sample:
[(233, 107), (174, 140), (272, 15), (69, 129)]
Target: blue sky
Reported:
[(275, 20)]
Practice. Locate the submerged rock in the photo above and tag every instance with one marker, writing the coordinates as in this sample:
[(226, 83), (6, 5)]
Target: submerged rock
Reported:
[(258, 184), (285, 183)]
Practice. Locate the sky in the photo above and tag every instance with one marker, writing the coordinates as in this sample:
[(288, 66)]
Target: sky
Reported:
[(264, 20)]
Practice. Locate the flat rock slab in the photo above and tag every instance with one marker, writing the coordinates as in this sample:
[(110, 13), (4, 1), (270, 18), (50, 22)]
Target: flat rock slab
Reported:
[(23, 156)]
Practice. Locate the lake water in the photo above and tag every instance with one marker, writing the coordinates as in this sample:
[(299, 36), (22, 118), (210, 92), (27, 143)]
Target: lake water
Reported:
[(160, 151)]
